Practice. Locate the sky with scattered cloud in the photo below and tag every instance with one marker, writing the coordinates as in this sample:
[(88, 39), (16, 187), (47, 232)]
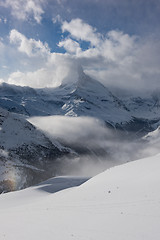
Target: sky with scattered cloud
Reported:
[(115, 41)]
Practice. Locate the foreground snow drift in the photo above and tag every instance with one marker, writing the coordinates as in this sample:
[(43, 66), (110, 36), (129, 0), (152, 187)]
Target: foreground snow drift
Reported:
[(122, 203)]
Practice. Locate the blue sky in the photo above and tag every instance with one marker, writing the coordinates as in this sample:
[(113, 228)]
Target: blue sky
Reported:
[(37, 37), (131, 16)]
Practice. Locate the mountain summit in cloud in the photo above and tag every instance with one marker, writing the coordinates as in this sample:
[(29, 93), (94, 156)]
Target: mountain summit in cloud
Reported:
[(79, 125)]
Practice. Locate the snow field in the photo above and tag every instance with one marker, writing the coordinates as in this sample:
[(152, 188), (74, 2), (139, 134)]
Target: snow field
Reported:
[(122, 203)]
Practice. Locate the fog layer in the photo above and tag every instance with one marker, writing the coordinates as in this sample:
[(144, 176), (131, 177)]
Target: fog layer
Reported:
[(95, 146)]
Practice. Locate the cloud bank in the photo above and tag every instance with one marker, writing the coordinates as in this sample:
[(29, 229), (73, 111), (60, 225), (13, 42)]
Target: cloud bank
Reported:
[(87, 136), (82, 131), (81, 31), (116, 59), (24, 10), (30, 47), (98, 147)]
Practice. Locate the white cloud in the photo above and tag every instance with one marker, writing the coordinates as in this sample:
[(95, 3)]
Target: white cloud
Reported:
[(81, 31), (29, 46), (23, 10), (86, 133), (36, 66), (81, 131), (115, 59), (34, 79), (64, 67), (70, 46), (114, 46), (117, 45), (58, 68)]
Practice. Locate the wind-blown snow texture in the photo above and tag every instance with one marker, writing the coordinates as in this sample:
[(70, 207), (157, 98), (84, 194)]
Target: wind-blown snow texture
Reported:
[(122, 203)]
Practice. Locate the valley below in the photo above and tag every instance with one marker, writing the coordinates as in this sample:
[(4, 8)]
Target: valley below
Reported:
[(75, 129), (80, 159)]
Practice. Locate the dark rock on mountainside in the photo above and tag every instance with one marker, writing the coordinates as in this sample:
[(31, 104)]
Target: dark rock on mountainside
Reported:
[(26, 155)]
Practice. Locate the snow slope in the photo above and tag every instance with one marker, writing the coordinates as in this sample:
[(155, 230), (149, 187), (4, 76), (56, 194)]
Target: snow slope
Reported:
[(85, 97), (25, 153), (122, 203)]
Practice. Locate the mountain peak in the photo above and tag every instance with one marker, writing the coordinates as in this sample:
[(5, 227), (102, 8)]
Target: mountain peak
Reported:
[(82, 77)]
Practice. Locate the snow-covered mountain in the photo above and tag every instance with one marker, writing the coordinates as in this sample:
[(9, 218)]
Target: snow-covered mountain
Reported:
[(120, 203), (36, 144), (26, 155), (85, 97), (24, 148)]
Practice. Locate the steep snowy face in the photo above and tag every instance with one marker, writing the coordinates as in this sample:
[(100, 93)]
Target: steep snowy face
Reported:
[(91, 98), (86, 97), (26, 155), (16, 131)]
